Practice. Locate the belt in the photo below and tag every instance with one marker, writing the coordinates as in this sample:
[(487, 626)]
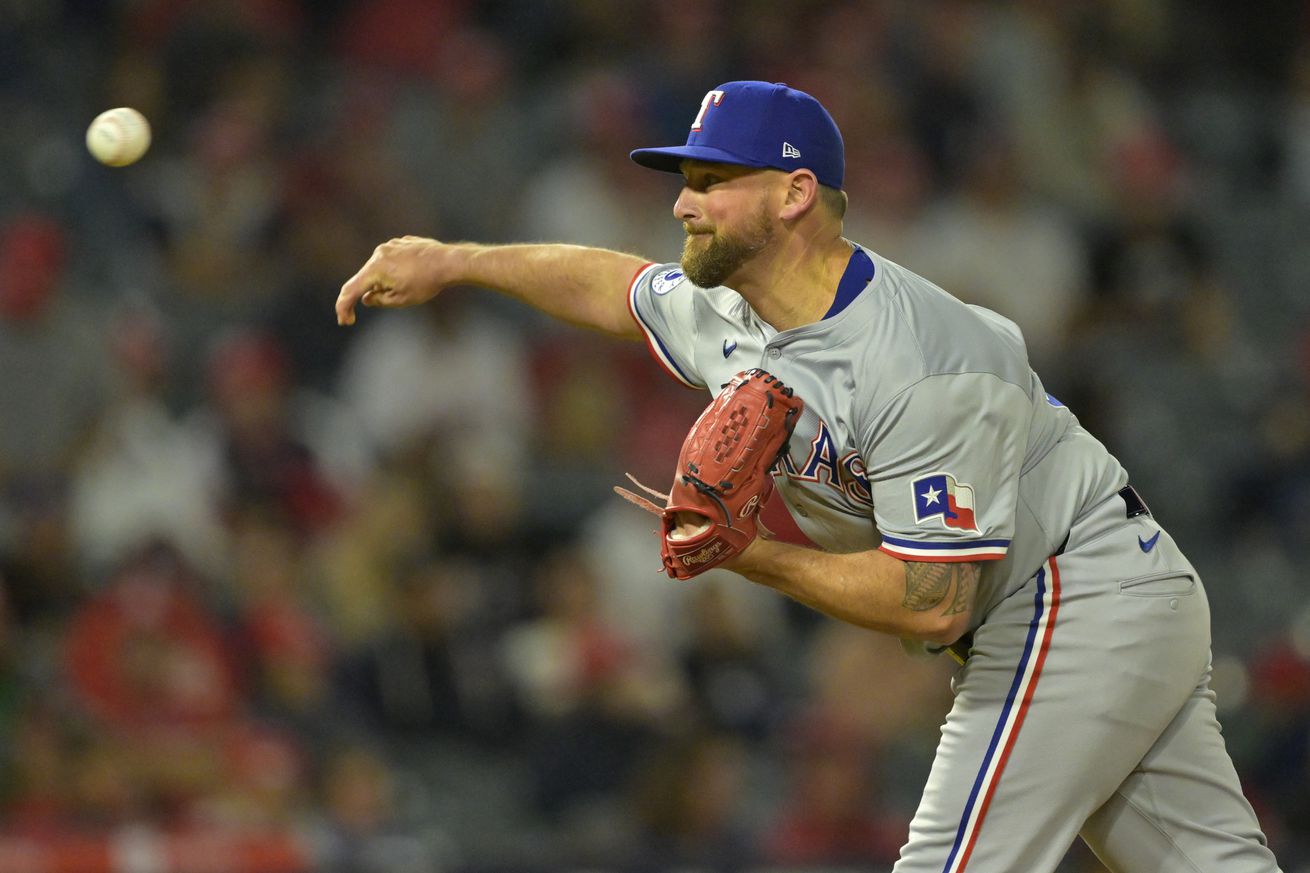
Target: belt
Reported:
[(1134, 506), (959, 650)]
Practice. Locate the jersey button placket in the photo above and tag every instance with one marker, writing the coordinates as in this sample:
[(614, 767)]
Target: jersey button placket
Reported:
[(774, 354)]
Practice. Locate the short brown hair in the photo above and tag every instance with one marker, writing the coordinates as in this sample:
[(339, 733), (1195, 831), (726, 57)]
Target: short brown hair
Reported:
[(834, 200)]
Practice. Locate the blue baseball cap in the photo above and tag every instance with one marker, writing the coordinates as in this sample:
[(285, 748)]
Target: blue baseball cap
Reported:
[(758, 124)]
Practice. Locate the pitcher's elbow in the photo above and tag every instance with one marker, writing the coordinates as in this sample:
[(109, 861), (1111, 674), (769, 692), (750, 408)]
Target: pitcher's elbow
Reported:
[(945, 629)]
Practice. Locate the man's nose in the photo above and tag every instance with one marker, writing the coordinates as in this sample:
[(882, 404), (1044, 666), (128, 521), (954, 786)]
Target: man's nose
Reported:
[(684, 208)]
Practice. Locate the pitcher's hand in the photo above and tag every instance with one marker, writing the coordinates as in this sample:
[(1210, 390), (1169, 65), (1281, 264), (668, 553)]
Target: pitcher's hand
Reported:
[(401, 272)]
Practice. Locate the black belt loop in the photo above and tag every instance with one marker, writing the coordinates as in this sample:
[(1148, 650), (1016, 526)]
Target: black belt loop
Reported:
[(1134, 503)]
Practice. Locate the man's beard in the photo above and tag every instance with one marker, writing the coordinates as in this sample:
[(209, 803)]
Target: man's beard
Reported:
[(712, 264)]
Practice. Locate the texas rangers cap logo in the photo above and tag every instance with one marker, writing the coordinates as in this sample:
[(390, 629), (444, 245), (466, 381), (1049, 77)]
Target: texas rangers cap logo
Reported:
[(940, 496)]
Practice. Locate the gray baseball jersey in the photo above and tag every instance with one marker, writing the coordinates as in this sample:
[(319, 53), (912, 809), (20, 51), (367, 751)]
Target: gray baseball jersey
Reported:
[(927, 435)]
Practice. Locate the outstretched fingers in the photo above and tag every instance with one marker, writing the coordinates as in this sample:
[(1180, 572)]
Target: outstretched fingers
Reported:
[(354, 291), (373, 285), (392, 277)]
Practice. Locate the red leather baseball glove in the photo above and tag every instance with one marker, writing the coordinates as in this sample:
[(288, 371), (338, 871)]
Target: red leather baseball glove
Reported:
[(724, 473)]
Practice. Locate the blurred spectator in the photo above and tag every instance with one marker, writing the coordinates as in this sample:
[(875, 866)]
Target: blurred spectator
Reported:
[(447, 373), (401, 37), (39, 559), (262, 444), (591, 193), (679, 52), (635, 594), (262, 783), (1270, 485), (49, 347), (361, 830), (832, 813), (593, 696), (996, 245), (484, 489), (1056, 75), (436, 672), (468, 115), (322, 237), (889, 200), (1280, 766), (145, 652), (286, 646), (735, 662), (577, 384), (152, 673), (1150, 249), (687, 798), (390, 523), (936, 64), (603, 409), (218, 203), (147, 474), (900, 717), (1192, 349)]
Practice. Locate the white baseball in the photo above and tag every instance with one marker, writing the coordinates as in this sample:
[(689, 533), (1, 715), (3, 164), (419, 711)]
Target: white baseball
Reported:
[(118, 137)]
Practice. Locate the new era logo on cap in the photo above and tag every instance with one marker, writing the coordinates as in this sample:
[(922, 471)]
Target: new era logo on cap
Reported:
[(758, 124)]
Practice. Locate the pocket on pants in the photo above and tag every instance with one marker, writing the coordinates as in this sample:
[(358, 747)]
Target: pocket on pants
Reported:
[(1171, 583)]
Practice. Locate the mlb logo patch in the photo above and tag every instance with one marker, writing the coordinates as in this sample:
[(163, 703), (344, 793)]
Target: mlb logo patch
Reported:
[(665, 282), (940, 496)]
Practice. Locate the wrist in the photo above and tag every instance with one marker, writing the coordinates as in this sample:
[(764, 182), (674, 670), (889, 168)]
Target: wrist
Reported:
[(459, 257), (752, 560)]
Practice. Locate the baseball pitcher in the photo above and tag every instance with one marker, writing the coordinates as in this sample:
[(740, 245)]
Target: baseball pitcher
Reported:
[(951, 500)]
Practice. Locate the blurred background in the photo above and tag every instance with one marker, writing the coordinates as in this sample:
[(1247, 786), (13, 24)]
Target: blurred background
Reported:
[(281, 596)]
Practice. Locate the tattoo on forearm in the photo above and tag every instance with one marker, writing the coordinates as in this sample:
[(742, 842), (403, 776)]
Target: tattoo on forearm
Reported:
[(927, 586), (966, 580)]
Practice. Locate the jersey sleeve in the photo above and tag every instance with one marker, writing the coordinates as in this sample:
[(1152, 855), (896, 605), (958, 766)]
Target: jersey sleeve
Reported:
[(945, 457), (663, 303)]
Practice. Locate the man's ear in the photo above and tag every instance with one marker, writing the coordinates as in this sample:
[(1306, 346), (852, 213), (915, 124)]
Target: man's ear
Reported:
[(801, 195)]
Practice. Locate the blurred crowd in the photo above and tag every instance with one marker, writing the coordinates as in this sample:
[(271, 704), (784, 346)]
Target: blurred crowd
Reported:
[(299, 597)]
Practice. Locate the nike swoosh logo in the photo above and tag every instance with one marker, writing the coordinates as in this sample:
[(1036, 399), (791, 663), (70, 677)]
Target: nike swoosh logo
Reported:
[(729, 347), (1147, 545)]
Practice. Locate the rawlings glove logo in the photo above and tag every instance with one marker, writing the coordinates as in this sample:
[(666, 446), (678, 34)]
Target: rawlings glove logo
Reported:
[(705, 555)]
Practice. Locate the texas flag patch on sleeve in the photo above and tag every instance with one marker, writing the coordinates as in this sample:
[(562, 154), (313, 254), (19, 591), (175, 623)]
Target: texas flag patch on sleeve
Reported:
[(941, 496), (943, 503)]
